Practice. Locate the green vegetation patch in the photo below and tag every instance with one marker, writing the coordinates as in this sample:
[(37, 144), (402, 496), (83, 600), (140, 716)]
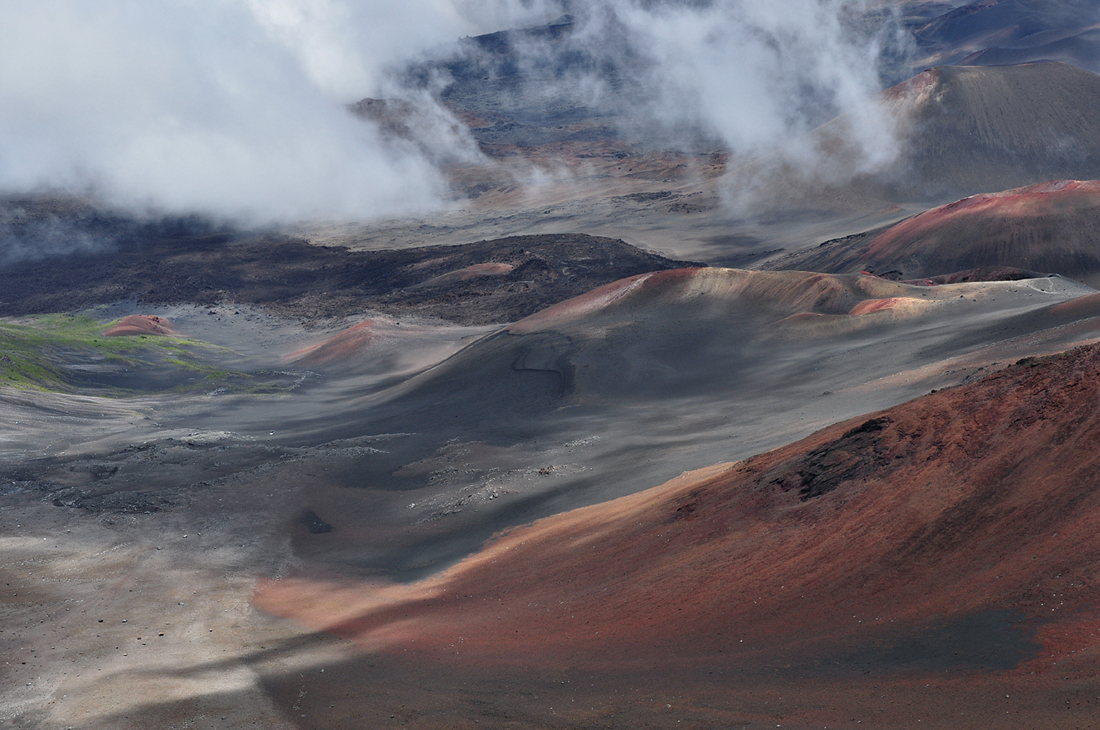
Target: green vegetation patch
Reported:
[(69, 353)]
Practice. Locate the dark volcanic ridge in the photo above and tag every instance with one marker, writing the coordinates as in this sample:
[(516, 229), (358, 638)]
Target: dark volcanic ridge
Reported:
[(188, 262), (1053, 227)]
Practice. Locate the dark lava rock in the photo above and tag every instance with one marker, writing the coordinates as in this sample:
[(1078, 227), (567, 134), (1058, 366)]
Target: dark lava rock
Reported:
[(857, 453), (188, 262), (314, 523)]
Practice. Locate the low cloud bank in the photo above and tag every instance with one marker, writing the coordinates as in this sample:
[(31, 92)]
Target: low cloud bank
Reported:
[(229, 107), (239, 108), (754, 77)]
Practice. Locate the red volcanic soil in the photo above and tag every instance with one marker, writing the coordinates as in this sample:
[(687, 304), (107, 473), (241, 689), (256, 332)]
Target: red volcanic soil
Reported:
[(913, 89), (1053, 227), (950, 539), (877, 305), (597, 299), (470, 272), (1057, 198), (141, 324), (337, 348)]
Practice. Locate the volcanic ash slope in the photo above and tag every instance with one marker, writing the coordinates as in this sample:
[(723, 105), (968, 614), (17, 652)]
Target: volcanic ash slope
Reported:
[(1052, 227), (966, 129), (654, 374), (948, 543)]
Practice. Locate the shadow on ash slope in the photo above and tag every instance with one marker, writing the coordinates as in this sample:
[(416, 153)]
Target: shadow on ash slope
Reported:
[(599, 396)]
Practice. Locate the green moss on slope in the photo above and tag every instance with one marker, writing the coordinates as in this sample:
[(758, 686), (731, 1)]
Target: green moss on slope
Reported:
[(69, 353)]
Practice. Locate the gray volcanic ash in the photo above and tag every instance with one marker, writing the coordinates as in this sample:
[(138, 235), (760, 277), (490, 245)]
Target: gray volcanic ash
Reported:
[(594, 398), (973, 129)]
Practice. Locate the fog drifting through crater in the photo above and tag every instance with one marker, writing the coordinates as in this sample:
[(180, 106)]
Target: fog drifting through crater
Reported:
[(238, 109)]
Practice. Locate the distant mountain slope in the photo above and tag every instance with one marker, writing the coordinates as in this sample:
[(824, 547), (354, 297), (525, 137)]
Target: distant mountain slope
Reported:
[(972, 129), (1053, 228), (959, 131), (1017, 24), (1081, 49), (518, 87)]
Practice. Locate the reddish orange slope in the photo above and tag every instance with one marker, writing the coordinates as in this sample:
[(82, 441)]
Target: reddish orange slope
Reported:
[(141, 324), (337, 348), (1053, 227), (978, 504), (1036, 227)]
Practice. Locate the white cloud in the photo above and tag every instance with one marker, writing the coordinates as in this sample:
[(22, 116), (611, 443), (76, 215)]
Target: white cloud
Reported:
[(231, 107), (756, 75), (238, 107)]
